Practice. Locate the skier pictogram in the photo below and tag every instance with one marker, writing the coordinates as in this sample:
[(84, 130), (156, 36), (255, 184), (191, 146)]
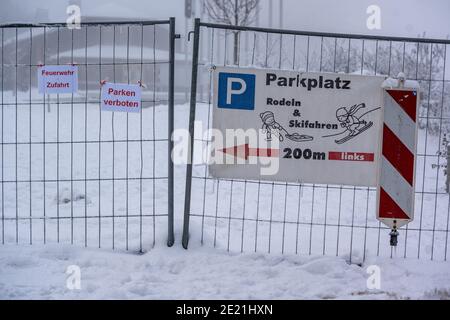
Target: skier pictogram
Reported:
[(272, 127), (354, 134), (354, 124)]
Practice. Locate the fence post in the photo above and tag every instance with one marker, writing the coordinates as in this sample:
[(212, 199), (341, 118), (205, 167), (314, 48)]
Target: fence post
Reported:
[(447, 172), (172, 37), (193, 101)]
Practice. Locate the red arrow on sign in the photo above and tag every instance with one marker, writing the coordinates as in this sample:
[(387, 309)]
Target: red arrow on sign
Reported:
[(244, 151)]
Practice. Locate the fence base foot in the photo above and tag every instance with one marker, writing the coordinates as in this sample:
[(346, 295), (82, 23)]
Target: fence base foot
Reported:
[(185, 243)]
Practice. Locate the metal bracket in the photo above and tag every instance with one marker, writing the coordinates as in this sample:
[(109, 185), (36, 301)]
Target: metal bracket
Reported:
[(189, 35), (393, 236)]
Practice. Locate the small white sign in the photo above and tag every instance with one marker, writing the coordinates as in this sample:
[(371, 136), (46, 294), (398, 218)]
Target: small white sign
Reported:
[(57, 79), (121, 97)]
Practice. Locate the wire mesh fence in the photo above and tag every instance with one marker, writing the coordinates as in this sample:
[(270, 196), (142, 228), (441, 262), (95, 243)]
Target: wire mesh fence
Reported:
[(278, 217), (69, 172)]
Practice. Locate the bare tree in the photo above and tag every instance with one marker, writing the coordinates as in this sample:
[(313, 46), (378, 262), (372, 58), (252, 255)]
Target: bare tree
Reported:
[(232, 12)]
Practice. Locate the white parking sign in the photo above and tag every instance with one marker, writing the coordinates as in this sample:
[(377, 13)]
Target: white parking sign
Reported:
[(320, 127)]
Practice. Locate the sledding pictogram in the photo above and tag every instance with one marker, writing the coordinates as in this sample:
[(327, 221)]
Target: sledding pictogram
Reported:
[(272, 127)]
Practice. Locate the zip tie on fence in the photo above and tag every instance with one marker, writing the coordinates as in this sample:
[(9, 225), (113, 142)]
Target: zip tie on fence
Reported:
[(211, 67), (73, 64), (142, 85), (102, 83)]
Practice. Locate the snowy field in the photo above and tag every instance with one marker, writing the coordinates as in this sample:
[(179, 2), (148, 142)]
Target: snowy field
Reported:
[(108, 194), (38, 272), (310, 223)]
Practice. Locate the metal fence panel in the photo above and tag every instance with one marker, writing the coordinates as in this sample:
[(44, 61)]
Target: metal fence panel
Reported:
[(244, 215), (70, 173)]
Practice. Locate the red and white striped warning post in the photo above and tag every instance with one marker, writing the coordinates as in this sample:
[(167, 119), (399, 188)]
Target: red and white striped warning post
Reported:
[(395, 196)]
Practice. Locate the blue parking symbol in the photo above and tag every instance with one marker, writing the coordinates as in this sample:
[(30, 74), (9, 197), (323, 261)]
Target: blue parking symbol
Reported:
[(236, 91)]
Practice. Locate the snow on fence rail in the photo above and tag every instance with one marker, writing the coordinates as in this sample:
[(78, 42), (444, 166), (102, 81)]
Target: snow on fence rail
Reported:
[(264, 216), (69, 172)]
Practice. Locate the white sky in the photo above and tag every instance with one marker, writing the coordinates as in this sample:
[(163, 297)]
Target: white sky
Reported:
[(398, 17)]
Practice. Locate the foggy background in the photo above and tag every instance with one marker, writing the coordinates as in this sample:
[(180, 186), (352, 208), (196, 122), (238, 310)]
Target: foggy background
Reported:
[(404, 18), (409, 18)]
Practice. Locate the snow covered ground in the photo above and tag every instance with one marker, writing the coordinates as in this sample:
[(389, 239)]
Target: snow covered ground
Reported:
[(38, 272)]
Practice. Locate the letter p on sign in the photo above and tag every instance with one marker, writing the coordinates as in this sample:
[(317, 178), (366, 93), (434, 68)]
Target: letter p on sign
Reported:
[(236, 91), (230, 90)]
